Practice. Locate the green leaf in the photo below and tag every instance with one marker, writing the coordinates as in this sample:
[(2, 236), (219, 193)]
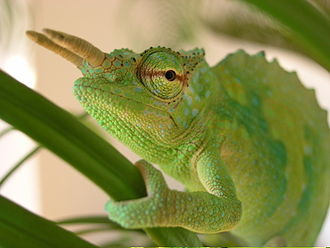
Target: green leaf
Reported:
[(60, 132), (99, 219), (6, 131), (86, 231), (251, 25), (21, 228), (173, 237), (309, 28), (28, 155)]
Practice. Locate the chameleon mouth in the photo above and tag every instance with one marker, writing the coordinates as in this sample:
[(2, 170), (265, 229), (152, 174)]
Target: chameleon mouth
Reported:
[(78, 86), (70, 47)]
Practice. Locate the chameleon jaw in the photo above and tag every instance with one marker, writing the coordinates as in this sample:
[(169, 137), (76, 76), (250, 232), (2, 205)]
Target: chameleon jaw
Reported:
[(70, 47)]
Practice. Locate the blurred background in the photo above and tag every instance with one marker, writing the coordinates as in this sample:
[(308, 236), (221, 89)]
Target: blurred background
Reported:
[(45, 184)]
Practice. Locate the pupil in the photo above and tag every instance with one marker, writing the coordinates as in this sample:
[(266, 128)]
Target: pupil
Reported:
[(170, 75)]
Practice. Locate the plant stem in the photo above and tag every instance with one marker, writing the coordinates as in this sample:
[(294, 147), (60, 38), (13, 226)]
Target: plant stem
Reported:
[(19, 163), (21, 228), (6, 130)]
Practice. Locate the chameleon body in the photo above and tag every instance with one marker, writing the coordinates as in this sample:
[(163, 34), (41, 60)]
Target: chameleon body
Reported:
[(248, 141)]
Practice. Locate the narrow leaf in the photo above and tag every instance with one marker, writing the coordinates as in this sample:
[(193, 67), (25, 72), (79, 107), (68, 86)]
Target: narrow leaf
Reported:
[(18, 164), (100, 219), (6, 131), (309, 28), (60, 132), (21, 228)]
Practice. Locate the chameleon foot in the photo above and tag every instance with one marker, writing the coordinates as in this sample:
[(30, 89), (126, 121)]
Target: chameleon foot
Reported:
[(196, 211), (145, 211)]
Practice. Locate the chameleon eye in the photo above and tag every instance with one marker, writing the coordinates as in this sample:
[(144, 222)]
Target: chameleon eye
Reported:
[(161, 73), (170, 75)]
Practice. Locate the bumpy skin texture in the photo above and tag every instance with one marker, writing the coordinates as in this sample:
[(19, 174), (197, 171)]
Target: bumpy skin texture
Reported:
[(248, 141)]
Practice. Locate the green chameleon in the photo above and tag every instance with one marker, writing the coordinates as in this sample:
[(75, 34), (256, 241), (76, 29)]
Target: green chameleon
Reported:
[(248, 141)]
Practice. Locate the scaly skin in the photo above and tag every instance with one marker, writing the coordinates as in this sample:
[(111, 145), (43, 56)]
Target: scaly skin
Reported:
[(248, 141), (244, 129)]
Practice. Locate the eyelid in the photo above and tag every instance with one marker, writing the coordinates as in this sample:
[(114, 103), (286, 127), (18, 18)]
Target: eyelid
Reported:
[(147, 71)]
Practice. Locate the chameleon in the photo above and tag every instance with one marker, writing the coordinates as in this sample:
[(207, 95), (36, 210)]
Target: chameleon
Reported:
[(247, 140)]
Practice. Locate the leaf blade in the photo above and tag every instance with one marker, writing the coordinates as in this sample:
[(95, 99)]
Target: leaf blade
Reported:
[(60, 132), (309, 27), (72, 141), (27, 231)]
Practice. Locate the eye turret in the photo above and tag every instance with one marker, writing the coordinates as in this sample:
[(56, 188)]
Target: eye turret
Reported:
[(162, 73)]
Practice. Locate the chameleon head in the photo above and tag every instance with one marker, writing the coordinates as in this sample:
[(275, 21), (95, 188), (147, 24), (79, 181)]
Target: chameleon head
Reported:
[(136, 97)]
